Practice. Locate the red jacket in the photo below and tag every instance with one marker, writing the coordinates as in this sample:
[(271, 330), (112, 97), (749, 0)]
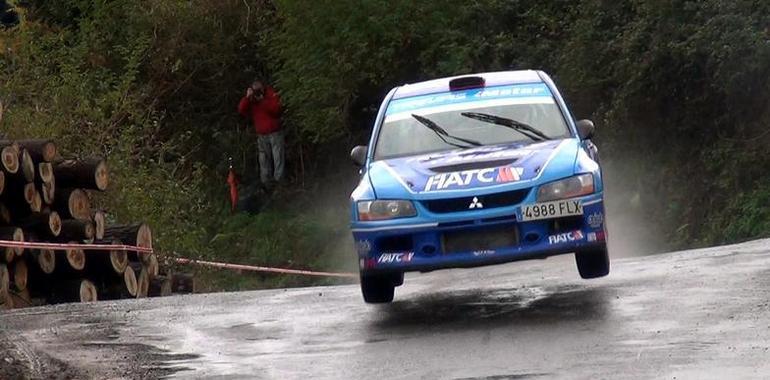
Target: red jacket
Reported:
[(264, 113)]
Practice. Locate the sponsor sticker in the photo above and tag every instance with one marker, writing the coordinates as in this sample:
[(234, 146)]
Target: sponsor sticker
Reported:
[(596, 236), (566, 237), (484, 252), (596, 220), (476, 176), (396, 257)]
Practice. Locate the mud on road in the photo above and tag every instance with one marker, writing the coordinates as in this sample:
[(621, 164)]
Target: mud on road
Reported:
[(693, 314)]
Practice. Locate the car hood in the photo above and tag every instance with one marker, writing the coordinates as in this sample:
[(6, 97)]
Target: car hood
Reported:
[(456, 172)]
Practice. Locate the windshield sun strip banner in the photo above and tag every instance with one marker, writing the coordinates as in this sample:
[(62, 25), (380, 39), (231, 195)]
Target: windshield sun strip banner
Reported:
[(465, 107), (471, 95)]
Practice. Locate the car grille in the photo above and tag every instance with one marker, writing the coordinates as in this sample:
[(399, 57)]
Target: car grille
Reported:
[(479, 240), (488, 201)]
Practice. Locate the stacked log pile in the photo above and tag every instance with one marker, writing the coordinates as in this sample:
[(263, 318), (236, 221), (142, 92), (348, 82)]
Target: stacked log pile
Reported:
[(44, 198)]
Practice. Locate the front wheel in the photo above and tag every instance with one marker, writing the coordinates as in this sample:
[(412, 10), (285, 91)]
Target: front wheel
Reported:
[(378, 289), (593, 263)]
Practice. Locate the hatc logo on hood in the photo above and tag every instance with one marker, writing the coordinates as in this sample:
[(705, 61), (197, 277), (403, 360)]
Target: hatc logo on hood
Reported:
[(476, 176)]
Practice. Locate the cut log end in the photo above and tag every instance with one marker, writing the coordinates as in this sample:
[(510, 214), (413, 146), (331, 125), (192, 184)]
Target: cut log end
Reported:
[(37, 202), (144, 236), (153, 268), (27, 165), (88, 291), (14, 234), (143, 284), (119, 261), (100, 223), (10, 159), (8, 255), (5, 281), (129, 277), (29, 193), (47, 260), (20, 274), (54, 223), (45, 171), (48, 151), (76, 257), (5, 214), (49, 192), (79, 205), (102, 176)]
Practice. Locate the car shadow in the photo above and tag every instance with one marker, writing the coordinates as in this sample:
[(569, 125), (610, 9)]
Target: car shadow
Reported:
[(495, 307)]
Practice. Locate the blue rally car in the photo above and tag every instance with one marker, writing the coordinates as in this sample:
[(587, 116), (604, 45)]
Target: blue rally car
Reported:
[(476, 170)]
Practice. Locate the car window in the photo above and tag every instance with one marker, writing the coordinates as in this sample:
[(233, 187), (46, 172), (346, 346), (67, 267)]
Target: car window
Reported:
[(402, 135)]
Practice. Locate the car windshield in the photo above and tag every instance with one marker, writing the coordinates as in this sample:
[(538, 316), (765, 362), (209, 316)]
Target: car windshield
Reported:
[(402, 134)]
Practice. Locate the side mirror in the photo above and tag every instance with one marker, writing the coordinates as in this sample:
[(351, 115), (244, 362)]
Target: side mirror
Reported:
[(586, 129), (358, 155)]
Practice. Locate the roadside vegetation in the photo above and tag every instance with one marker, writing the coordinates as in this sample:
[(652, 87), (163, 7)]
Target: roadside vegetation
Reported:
[(678, 91)]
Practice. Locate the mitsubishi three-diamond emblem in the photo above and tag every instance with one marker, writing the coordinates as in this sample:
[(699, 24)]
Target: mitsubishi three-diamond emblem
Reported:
[(475, 203)]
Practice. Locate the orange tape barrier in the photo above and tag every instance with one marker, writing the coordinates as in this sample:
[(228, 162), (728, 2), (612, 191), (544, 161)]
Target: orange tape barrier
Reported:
[(180, 260), (262, 269)]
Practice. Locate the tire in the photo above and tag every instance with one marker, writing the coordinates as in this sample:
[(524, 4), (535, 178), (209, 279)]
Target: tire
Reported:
[(593, 263), (377, 289)]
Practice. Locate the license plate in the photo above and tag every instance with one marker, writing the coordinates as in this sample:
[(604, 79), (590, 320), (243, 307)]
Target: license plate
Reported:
[(549, 210)]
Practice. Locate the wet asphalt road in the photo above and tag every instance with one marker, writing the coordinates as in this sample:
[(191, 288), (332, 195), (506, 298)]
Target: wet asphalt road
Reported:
[(687, 315)]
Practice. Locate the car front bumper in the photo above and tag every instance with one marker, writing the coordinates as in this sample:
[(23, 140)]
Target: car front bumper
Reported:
[(476, 241)]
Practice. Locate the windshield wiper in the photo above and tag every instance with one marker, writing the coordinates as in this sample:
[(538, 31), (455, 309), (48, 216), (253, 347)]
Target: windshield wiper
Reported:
[(523, 128), (443, 134)]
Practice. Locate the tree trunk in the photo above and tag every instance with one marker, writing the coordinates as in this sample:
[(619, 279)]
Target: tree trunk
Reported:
[(18, 195), (113, 260), (40, 150), (19, 274), (138, 235), (12, 234), (91, 173), (72, 204), (80, 290), (44, 223), (78, 230), (100, 224), (27, 165), (160, 287), (9, 158), (2, 182)]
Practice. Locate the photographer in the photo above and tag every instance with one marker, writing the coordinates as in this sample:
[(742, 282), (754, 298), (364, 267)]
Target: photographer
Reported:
[(263, 106)]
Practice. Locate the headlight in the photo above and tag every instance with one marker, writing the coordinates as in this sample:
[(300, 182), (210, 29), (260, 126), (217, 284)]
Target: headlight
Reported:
[(386, 209), (571, 187)]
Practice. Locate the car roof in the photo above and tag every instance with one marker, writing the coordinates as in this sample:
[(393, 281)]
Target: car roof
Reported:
[(498, 78)]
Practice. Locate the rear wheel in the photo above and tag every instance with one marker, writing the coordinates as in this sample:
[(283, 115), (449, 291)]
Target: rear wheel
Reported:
[(380, 288), (593, 263)]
